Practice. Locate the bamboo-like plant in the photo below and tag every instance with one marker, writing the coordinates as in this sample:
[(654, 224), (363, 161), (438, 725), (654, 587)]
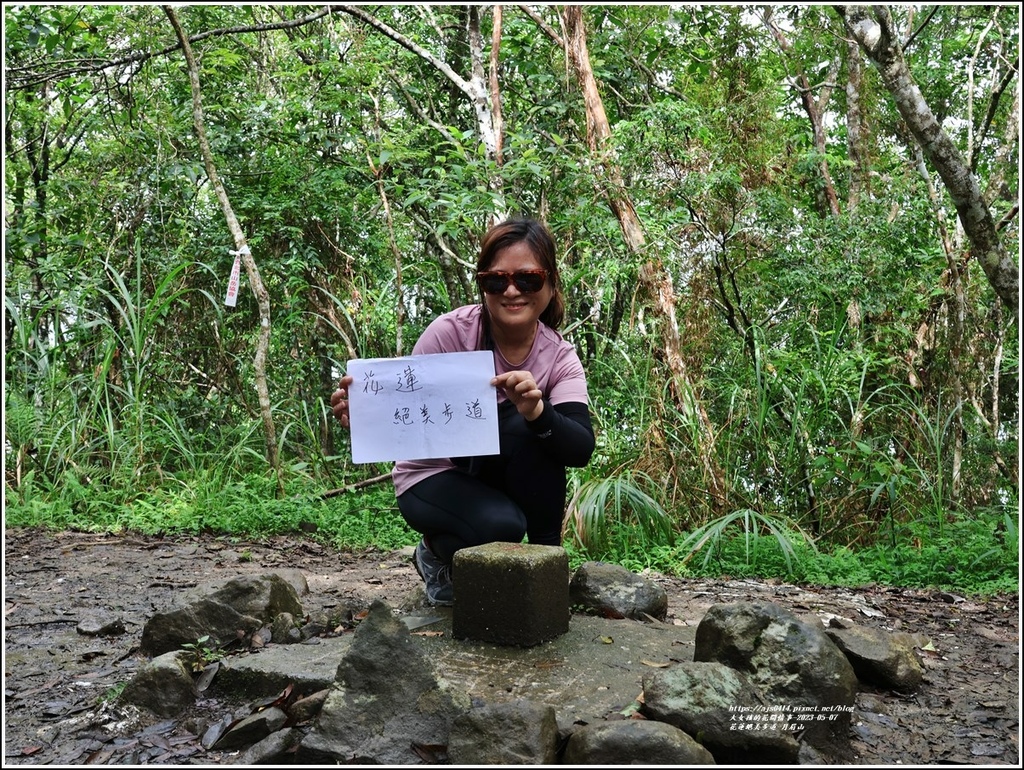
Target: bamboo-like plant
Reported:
[(619, 504), (753, 525)]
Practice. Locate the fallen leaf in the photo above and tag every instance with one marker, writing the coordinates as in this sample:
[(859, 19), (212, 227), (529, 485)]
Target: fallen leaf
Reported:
[(41, 688), (413, 622), (427, 633), (28, 751), (993, 635), (431, 753), (207, 676), (606, 640), (655, 665), (631, 711), (283, 700), (215, 731), (159, 741), (99, 757)]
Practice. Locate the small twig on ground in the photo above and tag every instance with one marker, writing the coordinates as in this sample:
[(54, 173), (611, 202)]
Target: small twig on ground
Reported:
[(357, 485)]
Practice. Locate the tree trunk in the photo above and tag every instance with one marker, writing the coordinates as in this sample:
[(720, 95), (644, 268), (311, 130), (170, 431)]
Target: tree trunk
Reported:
[(656, 280), (378, 175), (262, 297), (815, 109), (493, 81), (475, 88), (872, 28), (856, 127)]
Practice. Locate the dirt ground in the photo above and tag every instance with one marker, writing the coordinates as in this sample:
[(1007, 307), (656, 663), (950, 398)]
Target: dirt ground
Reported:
[(56, 585)]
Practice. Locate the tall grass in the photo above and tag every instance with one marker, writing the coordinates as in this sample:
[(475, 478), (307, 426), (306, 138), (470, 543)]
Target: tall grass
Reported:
[(620, 504), (130, 334)]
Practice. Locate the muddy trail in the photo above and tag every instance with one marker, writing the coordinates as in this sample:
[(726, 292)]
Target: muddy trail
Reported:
[(58, 680)]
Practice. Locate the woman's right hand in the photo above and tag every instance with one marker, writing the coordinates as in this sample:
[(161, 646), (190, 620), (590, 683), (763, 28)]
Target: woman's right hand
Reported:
[(339, 401)]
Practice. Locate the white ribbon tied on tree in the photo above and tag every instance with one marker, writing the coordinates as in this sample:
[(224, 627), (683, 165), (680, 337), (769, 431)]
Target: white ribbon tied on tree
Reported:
[(232, 295)]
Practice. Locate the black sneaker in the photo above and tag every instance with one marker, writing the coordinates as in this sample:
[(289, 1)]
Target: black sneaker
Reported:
[(436, 575)]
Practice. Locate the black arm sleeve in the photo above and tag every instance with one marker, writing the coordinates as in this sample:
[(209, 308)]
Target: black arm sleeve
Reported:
[(565, 432)]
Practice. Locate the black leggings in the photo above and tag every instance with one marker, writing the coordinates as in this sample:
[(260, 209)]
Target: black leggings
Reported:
[(504, 497)]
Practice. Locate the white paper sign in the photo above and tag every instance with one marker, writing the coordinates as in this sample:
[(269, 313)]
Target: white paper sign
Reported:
[(423, 407)]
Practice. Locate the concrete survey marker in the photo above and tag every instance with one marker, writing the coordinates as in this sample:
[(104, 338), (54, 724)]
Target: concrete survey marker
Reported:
[(511, 593), (593, 670)]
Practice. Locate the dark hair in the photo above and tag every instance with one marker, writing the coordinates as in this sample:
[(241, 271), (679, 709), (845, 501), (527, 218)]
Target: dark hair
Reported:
[(542, 244)]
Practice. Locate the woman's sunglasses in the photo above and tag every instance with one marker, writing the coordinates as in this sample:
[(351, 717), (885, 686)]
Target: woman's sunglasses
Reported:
[(496, 282)]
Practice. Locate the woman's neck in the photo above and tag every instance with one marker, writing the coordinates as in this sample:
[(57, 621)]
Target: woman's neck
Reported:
[(514, 347)]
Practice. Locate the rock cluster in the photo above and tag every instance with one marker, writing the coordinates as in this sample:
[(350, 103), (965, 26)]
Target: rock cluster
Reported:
[(764, 687)]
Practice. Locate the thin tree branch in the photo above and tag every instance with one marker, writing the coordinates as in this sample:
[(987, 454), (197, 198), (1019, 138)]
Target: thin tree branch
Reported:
[(21, 78)]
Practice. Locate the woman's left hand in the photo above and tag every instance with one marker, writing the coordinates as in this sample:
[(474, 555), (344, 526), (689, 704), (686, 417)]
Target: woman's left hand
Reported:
[(521, 389)]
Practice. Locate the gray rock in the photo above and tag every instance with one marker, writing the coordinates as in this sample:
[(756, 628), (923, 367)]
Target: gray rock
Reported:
[(793, 664), (164, 686), (306, 709), (879, 657), (251, 730), (385, 699), (281, 630), (515, 733), (101, 625), (723, 711), (634, 742), (262, 596), (614, 591), (242, 604), (296, 578), (275, 749)]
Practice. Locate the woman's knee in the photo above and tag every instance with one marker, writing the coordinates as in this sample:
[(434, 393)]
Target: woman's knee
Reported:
[(463, 507), (501, 523)]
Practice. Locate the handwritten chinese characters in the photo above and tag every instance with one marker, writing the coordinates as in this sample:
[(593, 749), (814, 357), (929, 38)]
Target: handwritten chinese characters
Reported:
[(423, 407)]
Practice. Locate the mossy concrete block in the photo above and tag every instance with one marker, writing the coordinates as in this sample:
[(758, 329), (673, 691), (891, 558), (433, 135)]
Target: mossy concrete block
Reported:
[(511, 593)]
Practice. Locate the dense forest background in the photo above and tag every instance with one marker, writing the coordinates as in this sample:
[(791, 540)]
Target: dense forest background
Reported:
[(789, 239)]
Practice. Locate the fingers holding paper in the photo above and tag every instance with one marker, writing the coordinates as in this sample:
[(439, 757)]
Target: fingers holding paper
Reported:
[(339, 401), (521, 389)]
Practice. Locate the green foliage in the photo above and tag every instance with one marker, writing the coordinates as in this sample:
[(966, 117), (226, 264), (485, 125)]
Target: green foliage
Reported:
[(21, 422), (356, 521), (113, 693), (709, 538), (971, 555), (217, 505), (201, 653), (619, 504)]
